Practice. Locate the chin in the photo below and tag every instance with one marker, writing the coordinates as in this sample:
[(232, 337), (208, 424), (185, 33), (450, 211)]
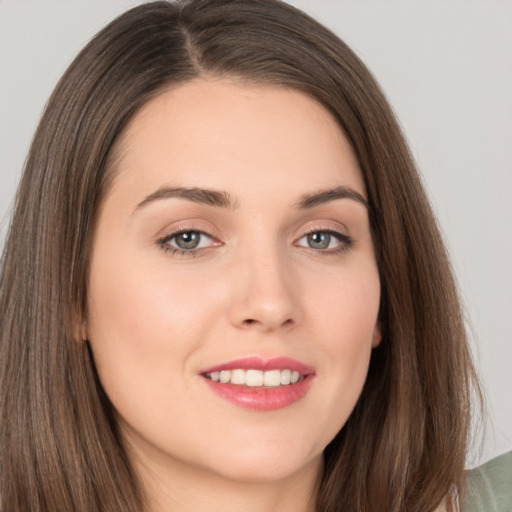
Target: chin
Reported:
[(260, 465)]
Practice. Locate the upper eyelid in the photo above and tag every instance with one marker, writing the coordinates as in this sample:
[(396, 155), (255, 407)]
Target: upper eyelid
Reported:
[(325, 226), (170, 236), (342, 237), (167, 238), (329, 231), (180, 230), (340, 228), (316, 229), (184, 228), (164, 243)]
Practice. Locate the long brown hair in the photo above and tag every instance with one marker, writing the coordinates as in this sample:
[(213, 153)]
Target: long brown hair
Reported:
[(60, 450)]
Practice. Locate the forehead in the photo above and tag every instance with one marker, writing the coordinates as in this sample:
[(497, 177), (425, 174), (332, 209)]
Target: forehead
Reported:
[(238, 137)]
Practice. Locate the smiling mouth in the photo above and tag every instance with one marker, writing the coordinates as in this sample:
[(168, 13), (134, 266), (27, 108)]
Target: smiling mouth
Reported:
[(260, 384), (256, 378)]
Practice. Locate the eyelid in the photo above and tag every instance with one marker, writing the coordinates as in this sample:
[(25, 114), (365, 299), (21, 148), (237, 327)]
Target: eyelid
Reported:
[(168, 234), (197, 225), (338, 232), (340, 236), (180, 232), (327, 226)]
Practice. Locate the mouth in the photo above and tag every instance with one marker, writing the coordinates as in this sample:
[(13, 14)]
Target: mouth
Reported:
[(259, 384), (256, 378)]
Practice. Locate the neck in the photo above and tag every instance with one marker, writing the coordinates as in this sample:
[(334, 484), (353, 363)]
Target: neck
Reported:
[(175, 486)]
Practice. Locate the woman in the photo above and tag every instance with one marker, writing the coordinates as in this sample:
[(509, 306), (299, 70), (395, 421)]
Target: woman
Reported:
[(224, 298)]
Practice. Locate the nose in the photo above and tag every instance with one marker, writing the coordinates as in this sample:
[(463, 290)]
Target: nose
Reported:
[(266, 296)]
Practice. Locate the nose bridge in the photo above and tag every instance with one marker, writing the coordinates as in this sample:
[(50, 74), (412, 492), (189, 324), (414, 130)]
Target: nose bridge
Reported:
[(266, 297)]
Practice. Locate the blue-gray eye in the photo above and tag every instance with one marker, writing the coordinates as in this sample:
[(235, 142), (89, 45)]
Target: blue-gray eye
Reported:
[(319, 240), (187, 239), (187, 242), (325, 241)]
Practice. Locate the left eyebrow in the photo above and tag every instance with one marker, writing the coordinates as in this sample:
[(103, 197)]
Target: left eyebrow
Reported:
[(219, 199), (325, 196)]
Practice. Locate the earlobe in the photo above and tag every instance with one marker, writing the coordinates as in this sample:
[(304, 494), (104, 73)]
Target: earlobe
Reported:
[(83, 333), (79, 330), (377, 335)]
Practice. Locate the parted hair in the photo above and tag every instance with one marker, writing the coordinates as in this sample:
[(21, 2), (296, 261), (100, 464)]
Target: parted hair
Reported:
[(404, 444)]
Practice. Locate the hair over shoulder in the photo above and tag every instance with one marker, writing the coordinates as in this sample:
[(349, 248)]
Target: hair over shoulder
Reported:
[(404, 444)]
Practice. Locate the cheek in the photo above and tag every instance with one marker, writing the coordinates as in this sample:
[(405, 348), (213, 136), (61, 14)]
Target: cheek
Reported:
[(345, 321), (142, 326), (355, 327), (141, 305), (344, 305), (143, 329)]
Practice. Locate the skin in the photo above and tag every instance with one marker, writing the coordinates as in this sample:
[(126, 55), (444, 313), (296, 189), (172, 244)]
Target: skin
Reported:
[(254, 287)]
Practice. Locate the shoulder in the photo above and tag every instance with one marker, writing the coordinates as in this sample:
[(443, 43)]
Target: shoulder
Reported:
[(450, 503), (489, 487)]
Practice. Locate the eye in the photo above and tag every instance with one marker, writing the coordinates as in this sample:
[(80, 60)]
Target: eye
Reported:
[(325, 240), (188, 241)]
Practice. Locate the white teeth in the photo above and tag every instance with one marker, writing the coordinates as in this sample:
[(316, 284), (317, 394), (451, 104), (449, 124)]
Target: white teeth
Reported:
[(225, 376), (286, 377), (256, 378), (253, 378), (238, 377), (272, 378)]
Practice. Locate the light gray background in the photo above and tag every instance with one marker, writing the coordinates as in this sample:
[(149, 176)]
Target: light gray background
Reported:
[(446, 68)]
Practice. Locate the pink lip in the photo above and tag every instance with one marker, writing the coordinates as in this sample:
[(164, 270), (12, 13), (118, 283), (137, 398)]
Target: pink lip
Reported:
[(261, 398), (258, 363)]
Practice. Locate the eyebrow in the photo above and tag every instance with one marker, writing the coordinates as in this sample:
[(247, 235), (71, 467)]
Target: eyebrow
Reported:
[(219, 199), (222, 199), (325, 196)]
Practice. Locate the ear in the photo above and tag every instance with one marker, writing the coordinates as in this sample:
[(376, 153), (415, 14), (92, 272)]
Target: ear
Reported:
[(82, 331), (79, 328), (377, 335)]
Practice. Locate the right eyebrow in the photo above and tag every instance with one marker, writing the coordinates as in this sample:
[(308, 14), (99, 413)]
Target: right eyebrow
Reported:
[(217, 198), (325, 196)]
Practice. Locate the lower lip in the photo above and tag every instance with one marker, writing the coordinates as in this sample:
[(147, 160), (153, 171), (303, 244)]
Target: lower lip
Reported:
[(260, 398)]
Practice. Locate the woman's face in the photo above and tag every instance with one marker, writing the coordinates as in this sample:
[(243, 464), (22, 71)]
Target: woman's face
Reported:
[(233, 256)]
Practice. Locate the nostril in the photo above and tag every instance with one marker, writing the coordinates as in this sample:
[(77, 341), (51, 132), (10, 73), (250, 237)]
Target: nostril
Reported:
[(252, 321)]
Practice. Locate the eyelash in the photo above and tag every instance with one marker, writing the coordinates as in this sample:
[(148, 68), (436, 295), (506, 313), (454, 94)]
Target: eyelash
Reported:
[(346, 242), (176, 251)]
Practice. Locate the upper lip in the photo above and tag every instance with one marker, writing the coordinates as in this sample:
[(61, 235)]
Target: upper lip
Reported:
[(259, 363)]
